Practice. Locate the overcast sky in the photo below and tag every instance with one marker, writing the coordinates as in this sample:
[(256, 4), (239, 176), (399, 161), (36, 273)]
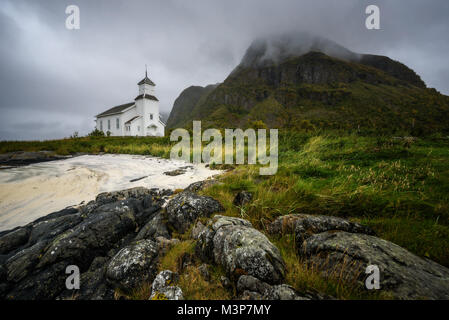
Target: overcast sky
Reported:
[(54, 80)]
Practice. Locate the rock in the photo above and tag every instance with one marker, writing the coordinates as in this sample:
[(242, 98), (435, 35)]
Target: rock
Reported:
[(43, 284), (22, 158), (197, 229), (176, 172), (283, 292), (402, 274), (305, 224), (155, 227), (186, 207), (250, 295), (240, 249), (22, 263), (164, 288), (309, 225), (93, 285), (100, 231), (200, 185), (48, 229), (284, 224), (225, 282), (62, 213), (252, 288), (133, 265), (138, 179), (36, 256), (242, 198), (204, 271), (252, 284), (12, 240)]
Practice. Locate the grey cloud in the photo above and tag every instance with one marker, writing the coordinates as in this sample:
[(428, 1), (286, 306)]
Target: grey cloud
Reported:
[(53, 81)]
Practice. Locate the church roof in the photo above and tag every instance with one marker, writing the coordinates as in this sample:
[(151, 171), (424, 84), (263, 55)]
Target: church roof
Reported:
[(116, 109), (146, 80), (146, 96), (132, 119)]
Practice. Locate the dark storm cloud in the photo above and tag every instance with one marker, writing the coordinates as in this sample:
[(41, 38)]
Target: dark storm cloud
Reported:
[(53, 81)]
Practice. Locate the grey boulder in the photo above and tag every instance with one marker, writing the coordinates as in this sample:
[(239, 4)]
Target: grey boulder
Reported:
[(240, 249), (164, 287), (133, 265), (402, 274), (186, 207)]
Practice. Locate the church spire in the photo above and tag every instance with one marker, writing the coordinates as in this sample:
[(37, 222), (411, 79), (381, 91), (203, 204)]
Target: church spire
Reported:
[(146, 74)]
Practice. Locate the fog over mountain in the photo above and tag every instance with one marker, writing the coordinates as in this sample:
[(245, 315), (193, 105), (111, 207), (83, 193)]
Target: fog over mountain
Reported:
[(54, 80), (276, 48)]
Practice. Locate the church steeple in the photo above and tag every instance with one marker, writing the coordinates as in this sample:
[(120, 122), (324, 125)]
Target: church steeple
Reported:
[(146, 80)]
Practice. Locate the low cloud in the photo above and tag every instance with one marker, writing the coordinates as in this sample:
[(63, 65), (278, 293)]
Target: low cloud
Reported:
[(54, 81)]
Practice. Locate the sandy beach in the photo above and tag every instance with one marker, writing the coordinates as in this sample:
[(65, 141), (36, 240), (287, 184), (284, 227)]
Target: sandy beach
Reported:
[(27, 193)]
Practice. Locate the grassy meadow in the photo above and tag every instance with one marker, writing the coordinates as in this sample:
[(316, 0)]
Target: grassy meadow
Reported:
[(397, 186)]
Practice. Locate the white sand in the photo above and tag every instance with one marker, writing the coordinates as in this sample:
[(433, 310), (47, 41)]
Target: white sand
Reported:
[(30, 192)]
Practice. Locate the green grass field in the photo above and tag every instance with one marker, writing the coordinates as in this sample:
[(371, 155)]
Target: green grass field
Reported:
[(398, 187)]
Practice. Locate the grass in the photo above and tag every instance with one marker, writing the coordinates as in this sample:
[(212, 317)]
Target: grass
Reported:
[(155, 146), (398, 187), (193, 285)]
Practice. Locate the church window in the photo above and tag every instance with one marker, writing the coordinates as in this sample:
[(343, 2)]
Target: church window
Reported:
[(109, 124), (101, 125), (151, 116), (117, 123), (138, 128)]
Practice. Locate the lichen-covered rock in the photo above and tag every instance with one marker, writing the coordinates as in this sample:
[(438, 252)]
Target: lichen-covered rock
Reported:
[(34, 257), (309, 225), (200, 185), (186, 207), (164, 286), (99, 231), (241, 249), (402, 274), (283, 292), (304, 225), (155, 227), (133, 265), (284, 224), (197, 229), (252, 288)]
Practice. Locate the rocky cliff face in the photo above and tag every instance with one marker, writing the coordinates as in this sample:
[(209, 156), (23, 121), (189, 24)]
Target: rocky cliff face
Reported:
[(306, 82)]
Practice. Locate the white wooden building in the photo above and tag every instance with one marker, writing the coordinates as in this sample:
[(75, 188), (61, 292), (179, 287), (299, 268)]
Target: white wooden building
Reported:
[(138, 118)]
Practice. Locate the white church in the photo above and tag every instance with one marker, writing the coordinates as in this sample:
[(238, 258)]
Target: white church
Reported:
[(138, 118)]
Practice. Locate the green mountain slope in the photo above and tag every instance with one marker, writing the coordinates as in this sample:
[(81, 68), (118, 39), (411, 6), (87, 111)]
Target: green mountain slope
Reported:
[(318, 84), (185, 103)]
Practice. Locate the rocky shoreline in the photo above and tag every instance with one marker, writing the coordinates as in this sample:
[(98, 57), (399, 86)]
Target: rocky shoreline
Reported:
[(24, 158), (118, 239)]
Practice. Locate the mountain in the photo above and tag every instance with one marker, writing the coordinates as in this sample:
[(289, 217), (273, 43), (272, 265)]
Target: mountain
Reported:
[(186, 102), (304, 82)]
